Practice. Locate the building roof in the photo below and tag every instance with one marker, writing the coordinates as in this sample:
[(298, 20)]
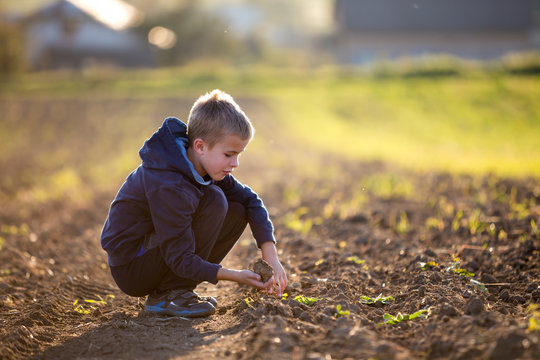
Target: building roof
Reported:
[(115, 14), (442, 15)]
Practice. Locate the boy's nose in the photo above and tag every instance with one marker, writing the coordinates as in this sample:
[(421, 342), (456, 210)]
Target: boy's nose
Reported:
[(234, 162)]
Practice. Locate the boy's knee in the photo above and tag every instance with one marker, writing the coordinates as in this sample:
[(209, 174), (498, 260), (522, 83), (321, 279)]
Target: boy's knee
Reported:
[(237, 212), (215, 200)]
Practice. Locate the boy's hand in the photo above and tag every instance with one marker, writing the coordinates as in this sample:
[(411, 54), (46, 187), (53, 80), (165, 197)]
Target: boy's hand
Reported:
[(279, 280), (247, 277)]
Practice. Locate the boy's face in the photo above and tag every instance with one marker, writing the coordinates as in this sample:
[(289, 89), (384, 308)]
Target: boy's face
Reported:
[(222, 158)]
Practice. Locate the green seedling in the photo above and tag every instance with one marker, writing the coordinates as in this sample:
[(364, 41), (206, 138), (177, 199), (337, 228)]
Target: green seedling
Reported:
[(456, 221), (340, 312), (476, 226), (434, 223), (371, 301), (403, 225), (534, 228), (248, 301), (355, 259), (392, 320), (79, 308), (519, 210), (294, 220), (5, 272), (319, 262), (479, 285), (87, 309), (284, 296), (306, 300), (492, 230), (14, 229), (428, 265), (457, 270), (2, 241), (463, 272), (534, 320)]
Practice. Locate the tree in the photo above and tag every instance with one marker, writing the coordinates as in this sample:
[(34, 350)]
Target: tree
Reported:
[(198, 34), (11, 48)]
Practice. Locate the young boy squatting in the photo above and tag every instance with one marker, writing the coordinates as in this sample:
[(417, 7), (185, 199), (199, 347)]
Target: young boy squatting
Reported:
[(181, 211)]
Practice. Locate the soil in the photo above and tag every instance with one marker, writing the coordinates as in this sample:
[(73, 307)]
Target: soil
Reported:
[(58, 300), (262, 268)]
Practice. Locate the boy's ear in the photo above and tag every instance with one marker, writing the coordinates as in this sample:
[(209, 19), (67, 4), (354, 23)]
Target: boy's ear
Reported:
[(199, 146)]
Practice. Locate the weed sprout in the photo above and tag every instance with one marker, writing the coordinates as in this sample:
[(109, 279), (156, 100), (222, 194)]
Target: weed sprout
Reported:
[(306, 300), (371, 301), (428, 265), (392, 320), (340, 312), (354, 259)]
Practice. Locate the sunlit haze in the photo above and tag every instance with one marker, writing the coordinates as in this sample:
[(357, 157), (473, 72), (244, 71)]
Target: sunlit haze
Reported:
[(161, 37), (116, 14)]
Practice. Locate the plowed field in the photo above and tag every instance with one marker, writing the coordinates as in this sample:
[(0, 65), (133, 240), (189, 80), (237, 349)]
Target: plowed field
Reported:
[(458, 254)]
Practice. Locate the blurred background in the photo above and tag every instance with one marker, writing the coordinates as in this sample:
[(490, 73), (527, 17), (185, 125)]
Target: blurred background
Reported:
[(54, 34), (428, 85)]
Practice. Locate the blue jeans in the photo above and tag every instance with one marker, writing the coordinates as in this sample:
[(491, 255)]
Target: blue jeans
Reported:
[(217, 225)]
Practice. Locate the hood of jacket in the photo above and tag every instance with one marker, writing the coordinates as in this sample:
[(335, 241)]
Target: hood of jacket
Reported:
[(166, 149)]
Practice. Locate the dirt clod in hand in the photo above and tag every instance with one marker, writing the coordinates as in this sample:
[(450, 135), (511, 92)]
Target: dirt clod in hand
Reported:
[(262, 268)]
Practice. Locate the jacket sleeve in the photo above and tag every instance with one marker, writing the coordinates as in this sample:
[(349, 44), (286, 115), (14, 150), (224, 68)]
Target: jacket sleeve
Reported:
[(258, 219), (172, 209)]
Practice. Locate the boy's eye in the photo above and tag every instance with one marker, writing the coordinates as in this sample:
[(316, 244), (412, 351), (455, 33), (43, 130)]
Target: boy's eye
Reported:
[(228, 155)]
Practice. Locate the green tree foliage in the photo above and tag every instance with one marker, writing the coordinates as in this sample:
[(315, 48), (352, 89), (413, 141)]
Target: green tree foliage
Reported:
[(199, 35)]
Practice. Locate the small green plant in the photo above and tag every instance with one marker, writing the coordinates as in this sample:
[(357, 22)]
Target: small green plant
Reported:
[(2, 241), (534, 228), (492, 230), (306, 300), (14, 229), (403, 224), (340, 312), (478, 284), (371, 301), (534, 320), (248, 301), (456, 221), (392, 320), (463, 272), (355, 260), (428, 265), (519, 210), (434, 223), (87, 309), (476, 226), (294, 220), (284, 296), (454, 267)]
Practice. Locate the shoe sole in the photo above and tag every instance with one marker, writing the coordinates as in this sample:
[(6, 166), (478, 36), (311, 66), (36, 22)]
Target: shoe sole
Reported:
[(169, 312)]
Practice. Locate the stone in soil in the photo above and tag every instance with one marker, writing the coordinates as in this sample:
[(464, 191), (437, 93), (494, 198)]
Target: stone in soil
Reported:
[(262, 268)]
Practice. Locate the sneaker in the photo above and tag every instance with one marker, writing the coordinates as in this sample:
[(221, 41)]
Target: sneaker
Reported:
[(212, 300), (178, 302)]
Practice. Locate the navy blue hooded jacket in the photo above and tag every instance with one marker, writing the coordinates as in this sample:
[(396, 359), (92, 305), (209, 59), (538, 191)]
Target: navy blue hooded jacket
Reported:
[(161, 196)]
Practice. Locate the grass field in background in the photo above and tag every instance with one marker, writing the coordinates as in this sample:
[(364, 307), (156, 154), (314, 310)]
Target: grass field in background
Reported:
[(463, 122)]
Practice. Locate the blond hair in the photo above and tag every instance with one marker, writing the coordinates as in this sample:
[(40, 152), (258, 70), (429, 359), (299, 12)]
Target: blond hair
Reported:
[(215, 115)]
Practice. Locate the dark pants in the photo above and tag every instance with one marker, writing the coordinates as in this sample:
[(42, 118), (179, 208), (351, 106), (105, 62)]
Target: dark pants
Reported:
[(217, 225)]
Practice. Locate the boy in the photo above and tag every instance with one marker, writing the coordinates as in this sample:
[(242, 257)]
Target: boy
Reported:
[(181, 211)]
